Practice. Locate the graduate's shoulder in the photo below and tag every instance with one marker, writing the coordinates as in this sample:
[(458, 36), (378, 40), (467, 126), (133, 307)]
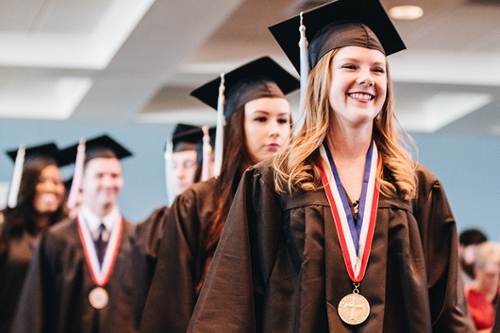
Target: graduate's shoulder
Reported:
[(199, 193), (263, 171), (153, 221), (203, 188), (61, 235), (429, 189), (128, 226), (63, 227), (157, 214), (426, 180), (424, 175), (150, 230), (264, 174)]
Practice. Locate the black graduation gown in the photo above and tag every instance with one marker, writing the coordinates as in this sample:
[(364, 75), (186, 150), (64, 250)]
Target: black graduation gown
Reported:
[(279, 267), (140, 267), (13, 268), (180, 265), (55, 294)]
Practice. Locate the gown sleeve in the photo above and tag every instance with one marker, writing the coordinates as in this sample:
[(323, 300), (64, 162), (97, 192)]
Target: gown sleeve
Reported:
[(148, 237), (171, 297), (449, 311), (138, 272), (232, 296)]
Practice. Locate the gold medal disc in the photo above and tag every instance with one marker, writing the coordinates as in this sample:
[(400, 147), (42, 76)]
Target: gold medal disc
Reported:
[(354, 309), (98, 298)]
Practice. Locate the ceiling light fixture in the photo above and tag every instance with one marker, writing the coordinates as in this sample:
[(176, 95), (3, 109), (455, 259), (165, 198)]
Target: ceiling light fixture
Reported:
[(406, 12)]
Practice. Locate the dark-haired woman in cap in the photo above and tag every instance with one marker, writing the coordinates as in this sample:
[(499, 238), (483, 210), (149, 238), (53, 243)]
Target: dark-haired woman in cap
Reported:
[(40, 204), (257, 126), (342, 231)]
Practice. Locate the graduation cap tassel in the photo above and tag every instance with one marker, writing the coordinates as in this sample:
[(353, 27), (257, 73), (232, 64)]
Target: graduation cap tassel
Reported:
[(304, 75), (168, 170), (219, 135), (207, 149), (77, 175), (16, 177)]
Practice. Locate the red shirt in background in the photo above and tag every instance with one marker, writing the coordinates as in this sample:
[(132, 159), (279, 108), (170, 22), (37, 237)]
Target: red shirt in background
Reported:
[(481, 310)]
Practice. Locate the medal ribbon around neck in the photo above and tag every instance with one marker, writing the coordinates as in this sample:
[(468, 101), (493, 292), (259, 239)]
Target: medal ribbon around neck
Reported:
[(355, 242), (100, 275)]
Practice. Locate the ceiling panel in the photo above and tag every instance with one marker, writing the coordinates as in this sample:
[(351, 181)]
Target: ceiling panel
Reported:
[(144, 56), (73, 17), (18, 16), (88, 42), (51, 16)]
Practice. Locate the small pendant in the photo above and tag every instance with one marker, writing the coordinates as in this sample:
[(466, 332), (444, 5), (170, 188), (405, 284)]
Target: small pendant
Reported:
[(354, 308), (98, 298)]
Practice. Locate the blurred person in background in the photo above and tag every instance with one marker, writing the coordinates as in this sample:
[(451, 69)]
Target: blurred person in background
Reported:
[(189, 161), (39, 204), (184, 158), (468, 241), (482, 292)]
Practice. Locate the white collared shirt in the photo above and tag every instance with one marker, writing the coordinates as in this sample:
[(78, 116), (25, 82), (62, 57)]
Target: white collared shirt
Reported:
[(94, 222)]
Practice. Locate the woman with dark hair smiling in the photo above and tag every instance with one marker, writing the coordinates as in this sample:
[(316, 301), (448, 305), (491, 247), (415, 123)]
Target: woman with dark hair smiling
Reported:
[(257, 118), (40, 204)]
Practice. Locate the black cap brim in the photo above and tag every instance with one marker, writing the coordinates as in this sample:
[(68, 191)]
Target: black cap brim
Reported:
[(47, 151), (265, 66), (369, 12), (191, 135), (103, 142), (186, 133)]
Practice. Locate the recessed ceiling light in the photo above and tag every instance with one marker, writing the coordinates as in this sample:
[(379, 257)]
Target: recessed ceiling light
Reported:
[(406, 12)]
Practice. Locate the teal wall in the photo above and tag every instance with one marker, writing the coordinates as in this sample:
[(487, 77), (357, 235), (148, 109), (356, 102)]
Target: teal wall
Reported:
[(469, 170), (144, 178), (467, 166)]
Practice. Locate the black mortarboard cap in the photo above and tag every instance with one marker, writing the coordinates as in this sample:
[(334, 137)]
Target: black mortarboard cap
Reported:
[(105, 142), (182, 130), (185, 137), (338, 24), (95, 148), (47, 151), (246, 83)]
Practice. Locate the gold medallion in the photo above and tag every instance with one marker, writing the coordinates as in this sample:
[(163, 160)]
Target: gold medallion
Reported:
[(354, 309), (98, 298)]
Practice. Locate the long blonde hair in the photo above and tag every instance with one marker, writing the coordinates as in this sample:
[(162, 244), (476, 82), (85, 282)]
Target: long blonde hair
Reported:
[(296, 167)]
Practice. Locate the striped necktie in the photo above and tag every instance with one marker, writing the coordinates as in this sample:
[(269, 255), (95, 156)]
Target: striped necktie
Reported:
[(101, 243)]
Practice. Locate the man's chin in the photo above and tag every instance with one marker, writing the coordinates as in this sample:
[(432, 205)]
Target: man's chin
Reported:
[(108, 201)]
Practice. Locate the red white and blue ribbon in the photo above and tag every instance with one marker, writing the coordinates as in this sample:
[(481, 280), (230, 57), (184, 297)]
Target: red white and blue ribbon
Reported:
[(355, 239), (100, 275)]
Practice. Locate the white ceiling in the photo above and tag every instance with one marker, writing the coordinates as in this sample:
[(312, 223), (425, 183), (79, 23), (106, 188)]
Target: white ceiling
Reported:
[(128, 61)]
